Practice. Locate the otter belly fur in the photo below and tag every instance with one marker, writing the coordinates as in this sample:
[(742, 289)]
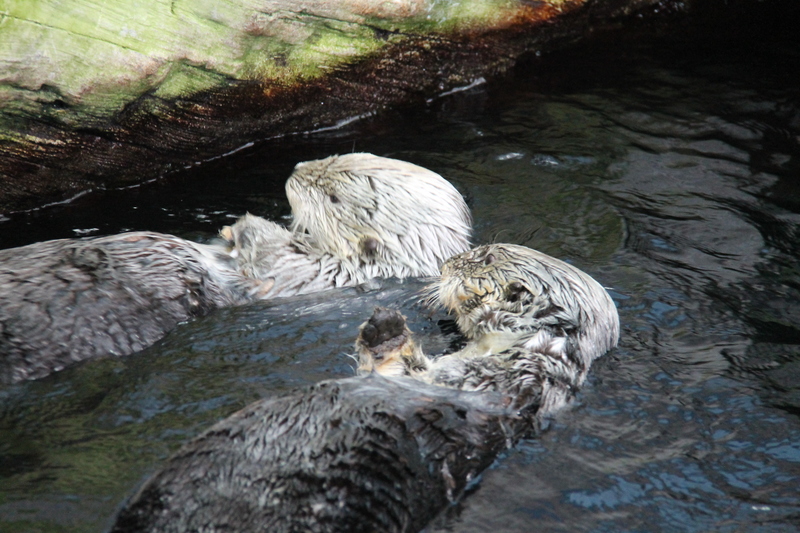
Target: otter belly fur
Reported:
[(356, 217)]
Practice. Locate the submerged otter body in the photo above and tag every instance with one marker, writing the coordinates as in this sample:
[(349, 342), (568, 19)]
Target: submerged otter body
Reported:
[(68, 300), (356, 217), (352, 455), (535, 325)]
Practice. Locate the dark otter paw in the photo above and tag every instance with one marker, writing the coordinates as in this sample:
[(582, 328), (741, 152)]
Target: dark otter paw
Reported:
[(383, 325)]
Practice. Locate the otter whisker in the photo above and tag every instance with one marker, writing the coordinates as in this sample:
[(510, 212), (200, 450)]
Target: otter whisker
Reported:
[(496, 236), (355, 359), (429, 295)]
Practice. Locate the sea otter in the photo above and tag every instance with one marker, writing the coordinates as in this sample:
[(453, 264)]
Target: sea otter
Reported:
[(382, 452), (352, 455), (504, 290), (535, 325), (356, 217), (68, 300)]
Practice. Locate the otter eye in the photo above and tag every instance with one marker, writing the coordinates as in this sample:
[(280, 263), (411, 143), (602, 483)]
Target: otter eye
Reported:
[(489, 259), (334, 199), (369, 245)]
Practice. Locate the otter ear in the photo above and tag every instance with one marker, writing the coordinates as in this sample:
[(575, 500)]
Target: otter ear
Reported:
[(369, 245)]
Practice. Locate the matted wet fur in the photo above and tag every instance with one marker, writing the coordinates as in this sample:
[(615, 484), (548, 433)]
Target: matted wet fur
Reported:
[(510, 290), (357, 217), (535, 325), (352, 455)]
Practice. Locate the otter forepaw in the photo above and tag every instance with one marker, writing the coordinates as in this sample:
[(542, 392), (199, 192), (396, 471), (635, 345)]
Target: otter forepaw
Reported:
[(383, 325), (385, 345), (226, 233)]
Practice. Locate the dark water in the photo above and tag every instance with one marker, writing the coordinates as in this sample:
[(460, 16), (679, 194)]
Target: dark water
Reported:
[(669, 170)]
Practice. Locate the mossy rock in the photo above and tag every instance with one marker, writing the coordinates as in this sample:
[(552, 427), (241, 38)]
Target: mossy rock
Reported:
[(105, 93)]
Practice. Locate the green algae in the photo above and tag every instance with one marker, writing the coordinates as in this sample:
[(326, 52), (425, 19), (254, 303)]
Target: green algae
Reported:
[(77, 63)]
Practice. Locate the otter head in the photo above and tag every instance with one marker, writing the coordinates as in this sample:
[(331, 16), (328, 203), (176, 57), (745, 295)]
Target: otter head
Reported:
[(510, 288), (377, 215)]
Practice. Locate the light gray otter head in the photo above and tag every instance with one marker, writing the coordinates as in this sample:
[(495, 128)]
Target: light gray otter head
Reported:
[(381, 215), (510, 288)]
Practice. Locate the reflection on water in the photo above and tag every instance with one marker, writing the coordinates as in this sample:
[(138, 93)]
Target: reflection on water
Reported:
[(669, 171)]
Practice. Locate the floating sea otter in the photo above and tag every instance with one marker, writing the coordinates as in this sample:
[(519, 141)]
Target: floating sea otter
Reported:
[(367, 454), (535, 325), (356, 217), (389, 453)]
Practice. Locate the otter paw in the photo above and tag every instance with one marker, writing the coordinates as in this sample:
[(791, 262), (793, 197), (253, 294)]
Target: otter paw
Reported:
[(226, 233), (383, 325)]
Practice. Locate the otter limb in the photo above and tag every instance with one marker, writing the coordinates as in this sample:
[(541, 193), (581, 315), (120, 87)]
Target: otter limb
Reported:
[(385, 345), (357, 455), (538, 381)]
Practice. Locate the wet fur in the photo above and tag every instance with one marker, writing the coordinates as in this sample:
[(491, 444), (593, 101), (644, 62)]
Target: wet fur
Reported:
[(380, 452), (357, 455), (356, 217), (69, 300), (535, 324), (513, 289)]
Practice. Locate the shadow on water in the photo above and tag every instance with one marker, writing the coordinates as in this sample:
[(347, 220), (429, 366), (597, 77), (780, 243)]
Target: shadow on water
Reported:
[(669, 169)]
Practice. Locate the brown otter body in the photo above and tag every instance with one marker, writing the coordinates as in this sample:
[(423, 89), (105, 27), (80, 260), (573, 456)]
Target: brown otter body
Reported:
[(535, 325), (353, 455), (357, 217)]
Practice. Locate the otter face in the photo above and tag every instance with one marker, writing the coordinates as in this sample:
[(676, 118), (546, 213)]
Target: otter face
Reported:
[(387, 216), (483, 285), (510, 288)]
